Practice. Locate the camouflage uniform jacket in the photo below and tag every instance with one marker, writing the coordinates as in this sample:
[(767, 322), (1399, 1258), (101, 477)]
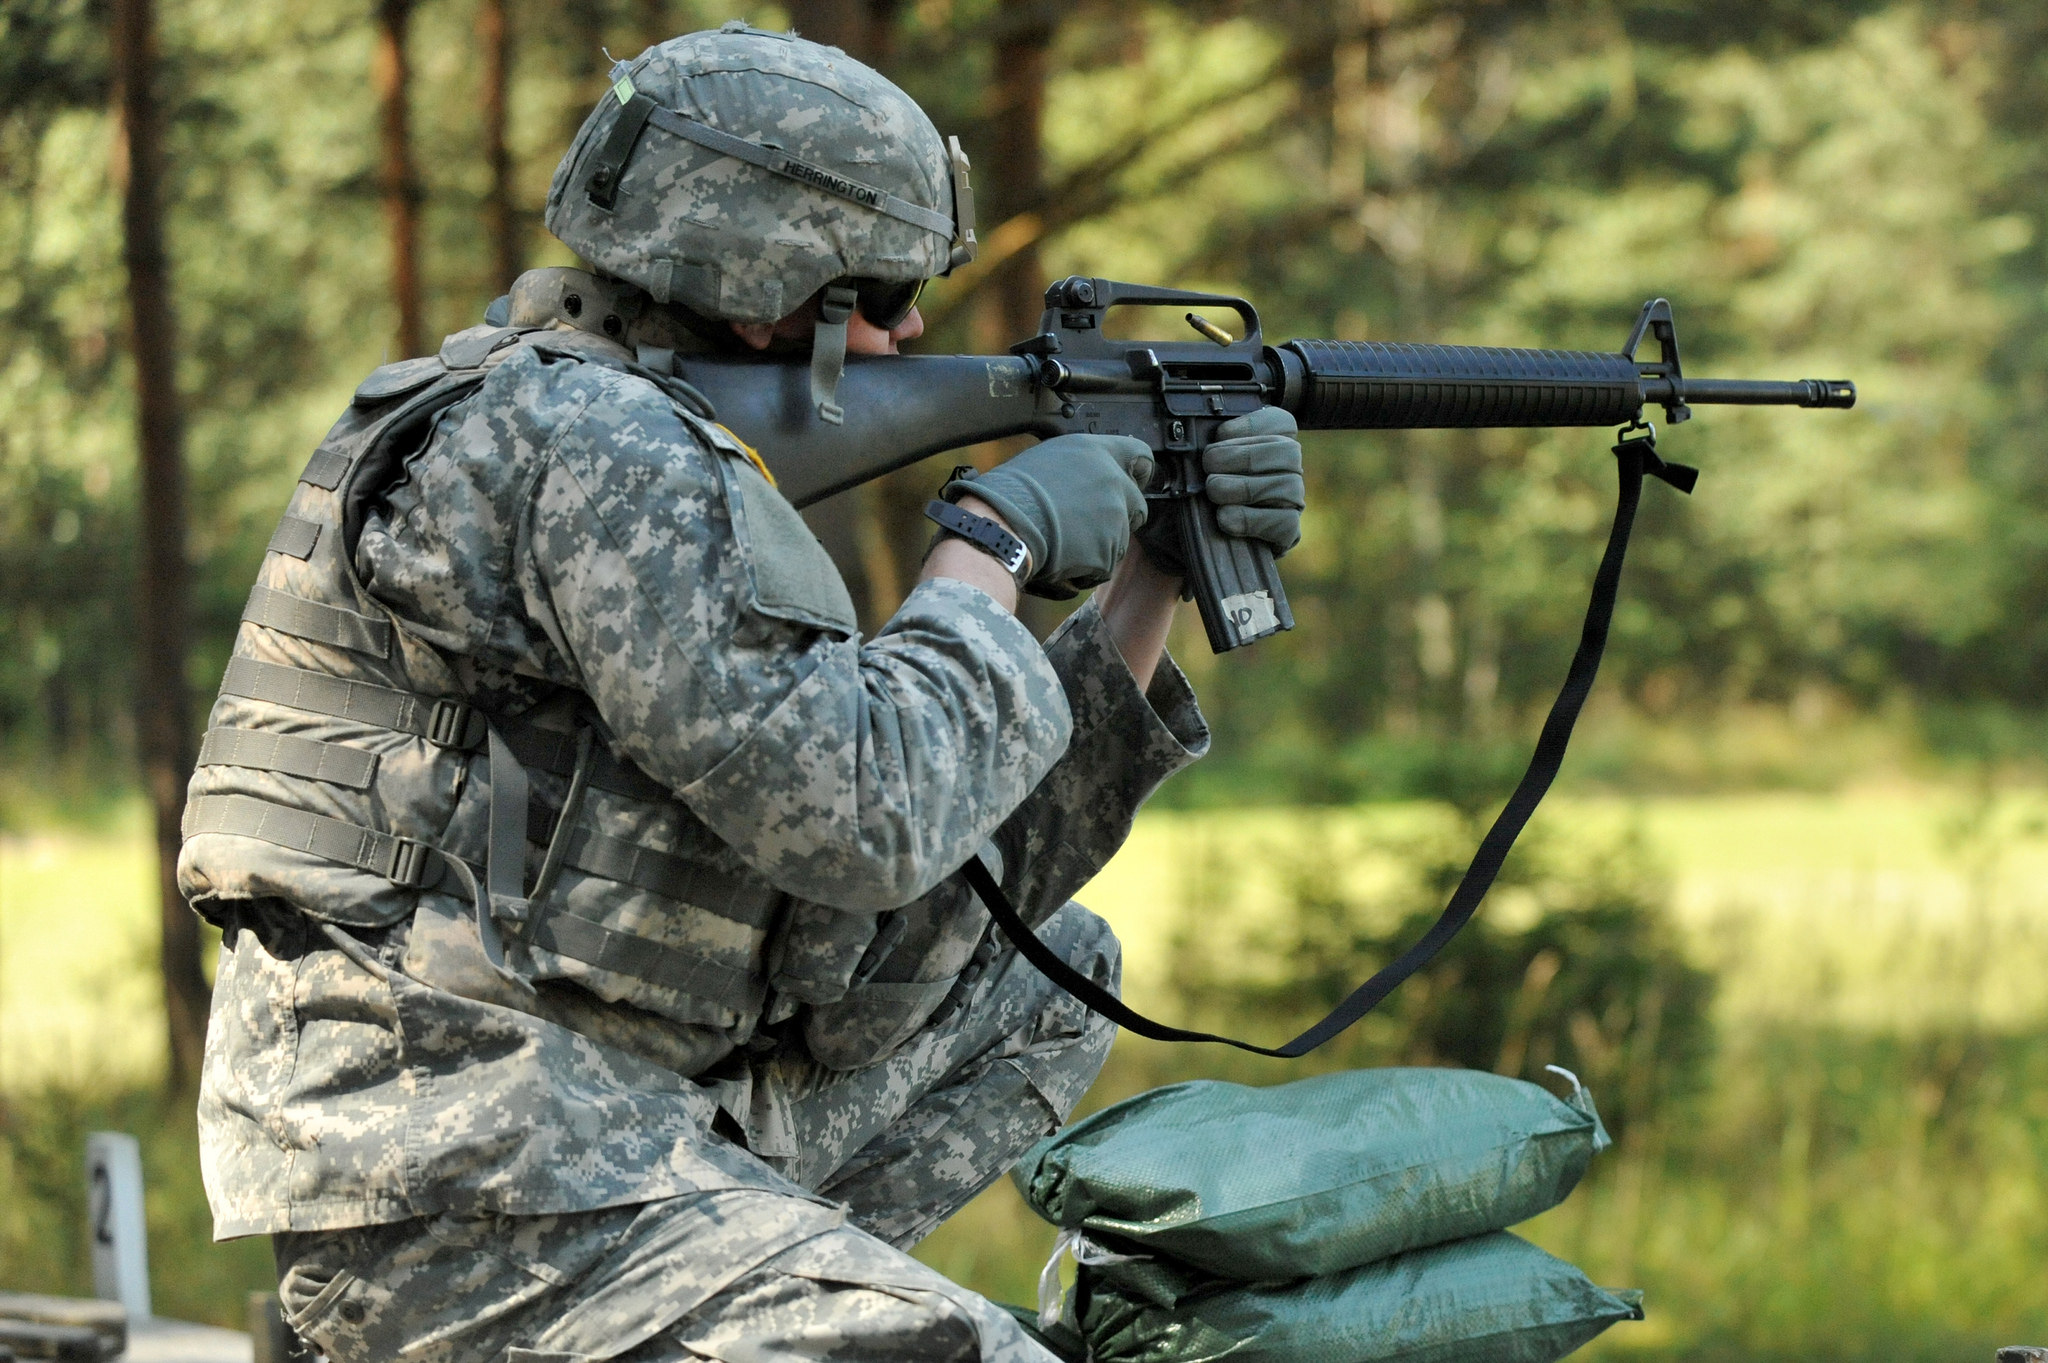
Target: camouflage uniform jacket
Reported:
[(566, 533)]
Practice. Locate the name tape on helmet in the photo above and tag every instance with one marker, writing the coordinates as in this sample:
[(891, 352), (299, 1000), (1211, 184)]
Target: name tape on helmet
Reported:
[(819, 178)]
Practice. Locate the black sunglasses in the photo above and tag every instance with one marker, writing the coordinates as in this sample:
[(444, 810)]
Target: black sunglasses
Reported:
[(884, 302)]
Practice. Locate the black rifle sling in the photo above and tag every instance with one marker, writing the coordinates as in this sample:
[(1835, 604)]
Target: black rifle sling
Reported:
[(1635, 455)]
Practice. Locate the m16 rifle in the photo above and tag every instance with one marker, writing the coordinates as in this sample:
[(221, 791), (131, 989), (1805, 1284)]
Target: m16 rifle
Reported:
[(1173, 395)]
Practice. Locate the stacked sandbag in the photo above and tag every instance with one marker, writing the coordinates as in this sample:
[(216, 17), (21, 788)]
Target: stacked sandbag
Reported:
[(1342, 1219), (1494, 1298)]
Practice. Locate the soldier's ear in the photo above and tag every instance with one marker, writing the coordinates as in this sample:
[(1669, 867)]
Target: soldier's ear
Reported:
[(757, 335)]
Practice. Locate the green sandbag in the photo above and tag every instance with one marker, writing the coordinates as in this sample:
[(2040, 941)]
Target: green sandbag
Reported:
[(1059, 1339), (1492, 1299), (1314, 1177)]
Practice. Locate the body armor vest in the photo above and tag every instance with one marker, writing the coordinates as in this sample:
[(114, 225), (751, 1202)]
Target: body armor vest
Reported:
[(344, 770)]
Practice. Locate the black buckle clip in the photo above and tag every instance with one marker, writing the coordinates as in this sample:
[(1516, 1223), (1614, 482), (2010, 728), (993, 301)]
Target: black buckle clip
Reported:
[(410, 862), (454, 724)]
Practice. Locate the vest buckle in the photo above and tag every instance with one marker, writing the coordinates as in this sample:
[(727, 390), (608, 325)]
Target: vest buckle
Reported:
[(454, 724), (410, 862)]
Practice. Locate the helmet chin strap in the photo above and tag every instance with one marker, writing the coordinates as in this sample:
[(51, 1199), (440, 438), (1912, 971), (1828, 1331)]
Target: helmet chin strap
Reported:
[(828, 352)]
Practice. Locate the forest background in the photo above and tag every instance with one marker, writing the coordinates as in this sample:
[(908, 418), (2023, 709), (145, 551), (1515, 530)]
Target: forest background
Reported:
[(1838, 188)]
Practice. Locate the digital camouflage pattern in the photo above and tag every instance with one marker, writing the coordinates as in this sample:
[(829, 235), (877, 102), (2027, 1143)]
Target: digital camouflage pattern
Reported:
[(569, 527), (566, 534), (741, 1277), (735, 241), (372, 773), (544, 1156), (330, 765), (771, 1268)]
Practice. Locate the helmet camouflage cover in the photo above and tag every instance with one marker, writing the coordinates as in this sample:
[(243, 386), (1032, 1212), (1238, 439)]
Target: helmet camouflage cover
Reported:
[(738, 172)]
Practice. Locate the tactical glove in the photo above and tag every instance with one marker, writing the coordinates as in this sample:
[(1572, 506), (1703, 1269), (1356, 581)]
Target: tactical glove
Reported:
[(1074, 500), (1252, 471)]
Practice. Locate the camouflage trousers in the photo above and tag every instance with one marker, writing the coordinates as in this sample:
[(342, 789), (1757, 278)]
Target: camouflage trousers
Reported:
[(809, 1265)]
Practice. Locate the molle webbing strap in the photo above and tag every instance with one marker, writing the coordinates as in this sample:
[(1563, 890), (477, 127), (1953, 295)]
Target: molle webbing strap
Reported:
[(672, 877), (553, 751), (402, 861), (260, 750), (1636, 456), (783, 164), (295, 537), (325, 470), (647, 868), (505, 859), (448, 723), (591, 942), (317, 621)]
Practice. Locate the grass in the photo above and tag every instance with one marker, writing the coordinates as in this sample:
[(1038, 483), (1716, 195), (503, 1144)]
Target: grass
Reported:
[(1865, 1174), (42, 1201), (79, 1000)]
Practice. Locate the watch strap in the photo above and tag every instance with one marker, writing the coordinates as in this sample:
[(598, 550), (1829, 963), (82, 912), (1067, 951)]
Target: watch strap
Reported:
[(983, 533)]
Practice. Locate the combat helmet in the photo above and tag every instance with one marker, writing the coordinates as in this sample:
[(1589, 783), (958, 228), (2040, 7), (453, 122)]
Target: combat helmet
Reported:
[(738, 172)]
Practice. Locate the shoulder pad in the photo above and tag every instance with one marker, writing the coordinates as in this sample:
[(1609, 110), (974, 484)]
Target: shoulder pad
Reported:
[(581, 345), (466, 349), (396, 380)]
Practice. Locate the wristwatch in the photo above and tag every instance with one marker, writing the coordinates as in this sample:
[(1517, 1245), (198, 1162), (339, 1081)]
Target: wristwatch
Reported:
[(983, 533)]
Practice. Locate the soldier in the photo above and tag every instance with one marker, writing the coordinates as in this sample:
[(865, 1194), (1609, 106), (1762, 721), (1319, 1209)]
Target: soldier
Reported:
[(596, 982)]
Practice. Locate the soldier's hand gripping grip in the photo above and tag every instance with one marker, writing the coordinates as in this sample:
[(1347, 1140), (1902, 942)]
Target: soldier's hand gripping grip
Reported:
[(1074, 500), (1236, 506)]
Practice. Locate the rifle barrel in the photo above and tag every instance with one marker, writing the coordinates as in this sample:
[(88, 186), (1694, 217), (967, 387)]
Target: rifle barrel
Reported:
[(1754, 392)]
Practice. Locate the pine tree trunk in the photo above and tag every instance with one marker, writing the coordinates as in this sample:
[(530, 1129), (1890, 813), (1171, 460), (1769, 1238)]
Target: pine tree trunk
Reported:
[(863, 29), (494, 35), (391, 73), (1013, 170), (1016, 166), (163, 707)]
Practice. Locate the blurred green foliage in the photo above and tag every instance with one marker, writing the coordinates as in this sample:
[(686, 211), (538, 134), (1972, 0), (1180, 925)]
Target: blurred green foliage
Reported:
[(1850, 188), (43, 1222), (1575, 963), (1783, 1187)]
